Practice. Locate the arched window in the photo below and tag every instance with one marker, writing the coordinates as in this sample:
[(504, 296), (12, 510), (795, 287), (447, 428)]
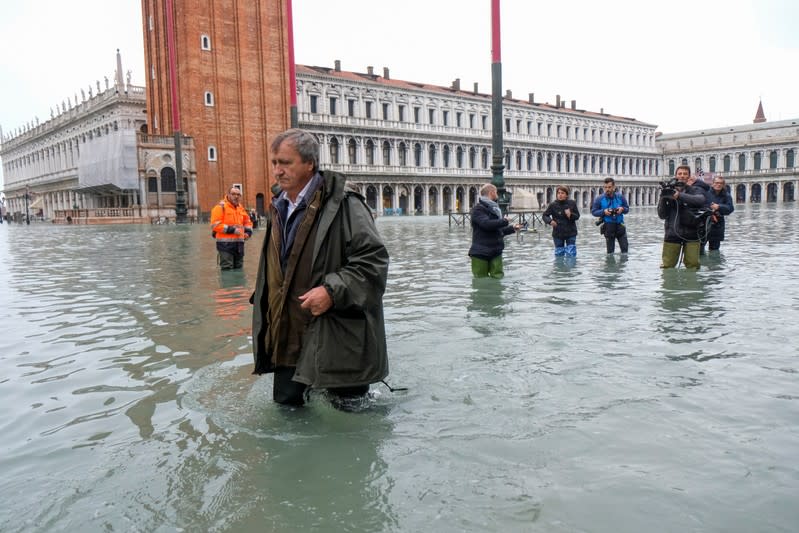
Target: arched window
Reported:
[(212, 153), (539, 162), (742, 162), (168, 183), (152, 184), (205, 42), (772, 159), (529, 160), (334, 150), (403, 154), (727, 163), (459, 157), (209, 98), (386, 153), (484, 158), (790, 158), (432, 154), (518, 160), (549, 162), (417, 154), (712, 163), (352, 154), (758, 158), (370, 152), (507, 159), (446, 156), (472, 157), (697, 164)]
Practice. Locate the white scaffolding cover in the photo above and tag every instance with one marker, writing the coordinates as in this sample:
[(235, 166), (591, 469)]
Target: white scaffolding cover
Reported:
[(109, 160)]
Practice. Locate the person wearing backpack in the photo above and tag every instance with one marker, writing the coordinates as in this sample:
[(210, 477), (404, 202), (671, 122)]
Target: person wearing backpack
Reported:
[(230, 226)]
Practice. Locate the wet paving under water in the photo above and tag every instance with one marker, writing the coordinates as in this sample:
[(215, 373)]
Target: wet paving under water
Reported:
[(599, 395)]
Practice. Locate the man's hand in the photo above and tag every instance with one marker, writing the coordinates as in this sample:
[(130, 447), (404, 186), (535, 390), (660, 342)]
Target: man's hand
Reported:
[(316, 300), (567, 212)]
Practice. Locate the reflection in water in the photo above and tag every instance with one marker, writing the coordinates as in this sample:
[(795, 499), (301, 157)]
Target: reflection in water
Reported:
[(308, 469), (486, 297), (126, 359), (231, 299), (690, 316), (564, 263)]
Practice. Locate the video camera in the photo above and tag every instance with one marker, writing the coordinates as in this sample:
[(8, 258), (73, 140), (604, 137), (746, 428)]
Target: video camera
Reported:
[(669, 187)]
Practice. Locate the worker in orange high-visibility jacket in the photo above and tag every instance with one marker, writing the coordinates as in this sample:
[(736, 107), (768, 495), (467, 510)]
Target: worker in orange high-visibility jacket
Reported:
[(231, 226)]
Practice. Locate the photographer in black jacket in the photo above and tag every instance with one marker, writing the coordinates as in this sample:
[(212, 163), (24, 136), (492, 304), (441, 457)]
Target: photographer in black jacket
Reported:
[(681, 207)]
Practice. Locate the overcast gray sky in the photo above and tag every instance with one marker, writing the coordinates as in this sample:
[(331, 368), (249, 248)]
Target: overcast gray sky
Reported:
[(681, 64)]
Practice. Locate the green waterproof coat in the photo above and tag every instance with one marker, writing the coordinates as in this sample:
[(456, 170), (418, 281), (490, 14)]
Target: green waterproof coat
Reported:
[(345, 346)]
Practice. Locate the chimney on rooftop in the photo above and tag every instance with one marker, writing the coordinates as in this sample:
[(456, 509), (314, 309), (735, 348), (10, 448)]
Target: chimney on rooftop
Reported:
[(531, 98), (508, 94), (456, 84), (563, 103), (370, 71), (385, 73), (475, 87), (601, 110), (574, 104), (338, 65), (557, 100)]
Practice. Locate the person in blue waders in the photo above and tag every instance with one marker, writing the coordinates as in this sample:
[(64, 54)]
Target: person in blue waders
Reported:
[(562, 216)]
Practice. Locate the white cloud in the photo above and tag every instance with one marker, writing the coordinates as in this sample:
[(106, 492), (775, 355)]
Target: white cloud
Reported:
[(683, 64)]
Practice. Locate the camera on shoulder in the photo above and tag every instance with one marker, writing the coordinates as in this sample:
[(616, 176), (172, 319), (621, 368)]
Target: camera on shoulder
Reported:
[(669, 187)]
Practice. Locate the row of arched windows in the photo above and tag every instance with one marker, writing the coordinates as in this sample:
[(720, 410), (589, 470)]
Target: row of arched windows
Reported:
[(416, 154), (452, 114), (69, 149), (727, 161)]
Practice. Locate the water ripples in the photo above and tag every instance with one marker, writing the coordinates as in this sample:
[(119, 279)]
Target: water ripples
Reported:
[(538, 402)]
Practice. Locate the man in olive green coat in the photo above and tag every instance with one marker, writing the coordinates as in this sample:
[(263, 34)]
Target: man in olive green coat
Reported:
[(318, 300)]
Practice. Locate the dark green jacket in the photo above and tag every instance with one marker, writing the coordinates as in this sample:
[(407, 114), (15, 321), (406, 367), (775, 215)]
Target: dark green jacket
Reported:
[(346, 346)]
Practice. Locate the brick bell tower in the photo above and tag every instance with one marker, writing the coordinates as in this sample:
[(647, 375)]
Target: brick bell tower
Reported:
[(232, 88)]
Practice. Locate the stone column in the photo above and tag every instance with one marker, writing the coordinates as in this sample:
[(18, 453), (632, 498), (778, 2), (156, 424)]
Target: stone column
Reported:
[(143, 191), (395, 199), (425, 199)]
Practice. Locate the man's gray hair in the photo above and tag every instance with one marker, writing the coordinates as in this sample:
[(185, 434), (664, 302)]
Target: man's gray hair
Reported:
[(487, 187), (305, 143)]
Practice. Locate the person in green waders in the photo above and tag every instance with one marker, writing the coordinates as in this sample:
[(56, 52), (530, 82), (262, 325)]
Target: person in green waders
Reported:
[(489, 228)]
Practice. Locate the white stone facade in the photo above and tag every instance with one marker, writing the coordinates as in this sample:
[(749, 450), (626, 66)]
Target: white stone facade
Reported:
[(415, 148), (758, 161), (90, 162)]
